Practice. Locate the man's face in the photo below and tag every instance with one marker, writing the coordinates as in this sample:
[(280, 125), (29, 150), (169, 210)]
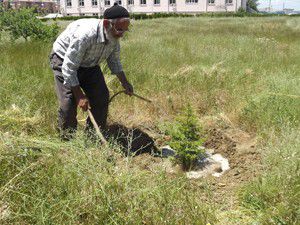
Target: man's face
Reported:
[(119, 27)]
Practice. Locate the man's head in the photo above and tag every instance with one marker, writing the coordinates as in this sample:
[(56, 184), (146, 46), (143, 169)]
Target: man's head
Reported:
[(116, 20)]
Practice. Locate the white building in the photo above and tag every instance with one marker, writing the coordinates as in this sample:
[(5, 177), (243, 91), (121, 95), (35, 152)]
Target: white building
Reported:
[(97, 7), (46, 6)]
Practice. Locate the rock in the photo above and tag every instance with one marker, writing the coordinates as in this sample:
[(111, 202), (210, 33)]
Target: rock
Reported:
[(208, 164), (218, 169), (221, 184), (4, 211), (236, 173), (167, 151), (194, 175), (223, 161), (210, 151)]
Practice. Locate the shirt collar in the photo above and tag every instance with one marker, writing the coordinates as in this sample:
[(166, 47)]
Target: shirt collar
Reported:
[(101, 33)]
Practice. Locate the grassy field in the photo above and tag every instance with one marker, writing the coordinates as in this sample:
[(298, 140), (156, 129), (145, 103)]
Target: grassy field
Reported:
[(237, 73)]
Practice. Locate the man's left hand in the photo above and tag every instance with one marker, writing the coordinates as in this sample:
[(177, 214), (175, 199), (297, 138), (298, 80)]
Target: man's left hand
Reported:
[(128, 88), (126, 85)]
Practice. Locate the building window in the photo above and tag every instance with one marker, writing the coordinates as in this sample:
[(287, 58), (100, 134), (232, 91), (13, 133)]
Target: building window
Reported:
[(107, 2), (191, 1), (156, 2), (143, 2), (212, 1), (94, 2), (228, 1), (69, 3), (95, 14), (81, 3), (130, 2), (172, 2), (119, 2)]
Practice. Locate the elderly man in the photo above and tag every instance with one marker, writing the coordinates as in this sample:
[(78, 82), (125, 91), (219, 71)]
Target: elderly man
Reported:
[(75, 60)]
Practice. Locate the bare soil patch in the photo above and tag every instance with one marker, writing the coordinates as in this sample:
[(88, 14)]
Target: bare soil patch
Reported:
[(239, 147)]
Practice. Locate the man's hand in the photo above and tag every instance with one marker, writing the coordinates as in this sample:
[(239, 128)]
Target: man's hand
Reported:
[(81, 100), (128, 88), (126, 85), (83, 103)]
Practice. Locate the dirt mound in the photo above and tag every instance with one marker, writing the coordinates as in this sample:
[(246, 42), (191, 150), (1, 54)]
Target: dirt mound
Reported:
[(240, 148)]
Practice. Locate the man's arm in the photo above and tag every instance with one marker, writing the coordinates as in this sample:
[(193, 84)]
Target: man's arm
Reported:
[(126, 85), (115, 66), (72, 61), (81, 100)]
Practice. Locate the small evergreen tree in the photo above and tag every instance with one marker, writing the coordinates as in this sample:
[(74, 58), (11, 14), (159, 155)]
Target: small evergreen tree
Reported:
[(186, 138)]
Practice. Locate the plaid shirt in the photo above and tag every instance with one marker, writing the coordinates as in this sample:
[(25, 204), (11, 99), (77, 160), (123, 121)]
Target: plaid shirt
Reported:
[(85, 43)]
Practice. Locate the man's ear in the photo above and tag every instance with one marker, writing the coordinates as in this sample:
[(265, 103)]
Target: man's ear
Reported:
[(106, 23)]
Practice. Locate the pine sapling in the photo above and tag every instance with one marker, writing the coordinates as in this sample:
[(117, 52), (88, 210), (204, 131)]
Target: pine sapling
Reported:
[(186, 138)]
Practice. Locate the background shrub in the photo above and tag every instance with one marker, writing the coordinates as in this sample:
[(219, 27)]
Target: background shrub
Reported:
[(142, 16), (23, 23)]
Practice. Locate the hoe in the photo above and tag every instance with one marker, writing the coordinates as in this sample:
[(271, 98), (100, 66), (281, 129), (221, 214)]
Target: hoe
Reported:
[(100, 135)]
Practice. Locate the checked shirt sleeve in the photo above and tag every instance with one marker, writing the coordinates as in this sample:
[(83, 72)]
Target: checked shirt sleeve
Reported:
[(114, 62), (73, 58)]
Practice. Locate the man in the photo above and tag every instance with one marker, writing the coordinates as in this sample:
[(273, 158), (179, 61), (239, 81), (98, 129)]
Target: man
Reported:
[(75, 60)]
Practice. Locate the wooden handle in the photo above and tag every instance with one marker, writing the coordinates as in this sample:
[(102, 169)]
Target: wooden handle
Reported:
[(100, 135)]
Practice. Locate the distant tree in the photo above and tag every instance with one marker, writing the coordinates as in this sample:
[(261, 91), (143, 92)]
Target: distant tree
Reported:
[(23, 23), (252, 4), (1, 19)]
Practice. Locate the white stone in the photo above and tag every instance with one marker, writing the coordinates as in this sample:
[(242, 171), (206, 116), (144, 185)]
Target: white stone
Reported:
[(223, 161), (209, 165)]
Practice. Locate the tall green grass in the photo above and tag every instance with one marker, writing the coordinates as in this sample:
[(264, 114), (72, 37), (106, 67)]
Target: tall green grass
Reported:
[(273, 198), (245, 68), (44, 181), (27, 90)]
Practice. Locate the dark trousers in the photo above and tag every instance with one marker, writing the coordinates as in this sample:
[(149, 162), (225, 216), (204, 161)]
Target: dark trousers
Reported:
[(92, 82)]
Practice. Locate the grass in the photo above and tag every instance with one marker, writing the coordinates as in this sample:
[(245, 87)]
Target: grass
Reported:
[(244, 68), (77, 183), (273, 198)]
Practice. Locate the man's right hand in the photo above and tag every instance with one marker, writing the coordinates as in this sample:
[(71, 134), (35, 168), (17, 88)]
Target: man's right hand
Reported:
[(81, 100), (83, 103)]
